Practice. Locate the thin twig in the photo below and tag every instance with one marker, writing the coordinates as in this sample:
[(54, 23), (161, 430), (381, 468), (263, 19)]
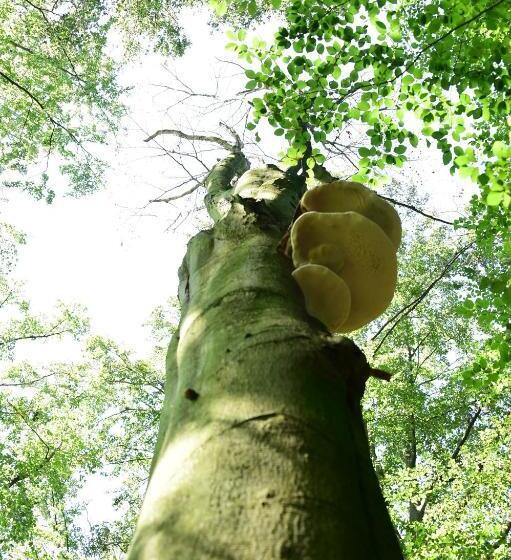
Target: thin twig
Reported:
[(402, 313), (178, 196), (410, 207)]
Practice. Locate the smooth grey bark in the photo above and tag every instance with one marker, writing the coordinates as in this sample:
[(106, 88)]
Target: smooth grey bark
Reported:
[(262, 452)]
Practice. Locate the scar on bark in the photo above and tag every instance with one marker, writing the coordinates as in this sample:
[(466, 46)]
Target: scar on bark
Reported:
[(191, 394)]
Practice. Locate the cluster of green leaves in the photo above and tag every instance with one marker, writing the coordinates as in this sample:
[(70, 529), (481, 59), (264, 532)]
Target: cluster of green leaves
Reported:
[(133, 389), (439, 430), (17, 323), (243, 13), (58, 92), (10, 240), (44, 417), (406, 71), (62, 423), (488, 289), (151, 25)]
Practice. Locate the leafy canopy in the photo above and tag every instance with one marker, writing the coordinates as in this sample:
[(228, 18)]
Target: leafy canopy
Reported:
[(439, 430), (64, 424), (436, 70)]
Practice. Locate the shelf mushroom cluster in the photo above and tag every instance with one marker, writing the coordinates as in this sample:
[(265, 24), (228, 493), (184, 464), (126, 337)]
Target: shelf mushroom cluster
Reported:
[(344, 250)]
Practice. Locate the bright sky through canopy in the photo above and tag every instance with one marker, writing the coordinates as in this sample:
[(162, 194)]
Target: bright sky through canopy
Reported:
[(108, 251)]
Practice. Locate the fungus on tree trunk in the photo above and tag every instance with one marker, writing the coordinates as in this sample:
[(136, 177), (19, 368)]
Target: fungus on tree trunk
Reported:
[(328, 297), (347, 196), (353, 234), (271, 460)]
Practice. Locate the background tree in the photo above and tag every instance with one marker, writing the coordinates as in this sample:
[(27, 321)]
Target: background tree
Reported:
[(433, 429), (61, 95), (67, 424)]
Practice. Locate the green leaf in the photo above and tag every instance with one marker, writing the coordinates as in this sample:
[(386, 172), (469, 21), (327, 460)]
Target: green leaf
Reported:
[(395, 30), (483, 179), (494, 198), (219, 7), (252, 8), (380, 26), (500, 150), (434, 26), (407, 80)]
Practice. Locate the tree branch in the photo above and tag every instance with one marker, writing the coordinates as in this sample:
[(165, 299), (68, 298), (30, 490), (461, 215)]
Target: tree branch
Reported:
[(218, 183), (180, 195), (72, 74), (234, 134), (454, 455), (33, 337), (27, 383), (407, 309), (500, 541), (466, 434), (195, 137), (410, 207), (19, 477), (27, 92)]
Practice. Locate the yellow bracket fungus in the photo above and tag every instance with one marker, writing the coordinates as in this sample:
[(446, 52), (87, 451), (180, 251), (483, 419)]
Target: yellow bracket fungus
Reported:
[(327, 297), (346, 196), (344, 250)]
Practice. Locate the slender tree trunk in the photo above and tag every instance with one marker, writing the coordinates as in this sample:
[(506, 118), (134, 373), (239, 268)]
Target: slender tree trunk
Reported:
[(262, 452)]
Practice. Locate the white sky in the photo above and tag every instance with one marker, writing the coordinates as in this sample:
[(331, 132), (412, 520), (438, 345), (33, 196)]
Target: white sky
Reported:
[(119, 262), (96, 250)]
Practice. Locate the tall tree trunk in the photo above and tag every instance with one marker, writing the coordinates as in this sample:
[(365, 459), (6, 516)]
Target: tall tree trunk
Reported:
[(262, 452)]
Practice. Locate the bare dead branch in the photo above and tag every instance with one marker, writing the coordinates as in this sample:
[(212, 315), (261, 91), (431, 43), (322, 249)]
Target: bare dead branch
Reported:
[(193, 137), (234, 134), (180, 195)]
